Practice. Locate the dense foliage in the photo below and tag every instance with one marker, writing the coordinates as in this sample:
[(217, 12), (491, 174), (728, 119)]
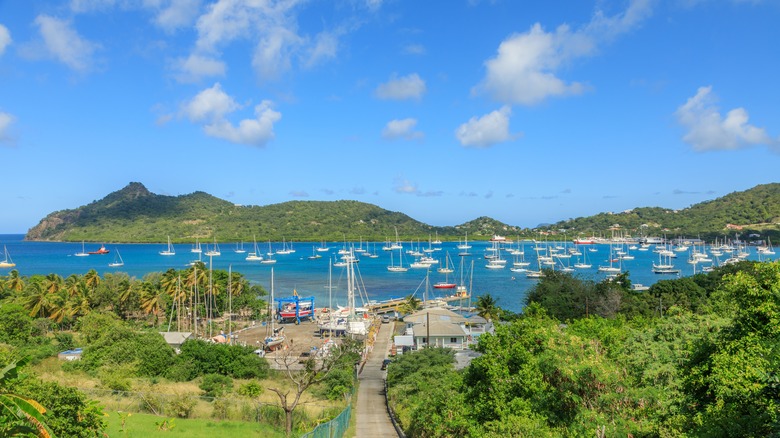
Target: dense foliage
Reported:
[(690, 357), (757, 210), (133, 214)]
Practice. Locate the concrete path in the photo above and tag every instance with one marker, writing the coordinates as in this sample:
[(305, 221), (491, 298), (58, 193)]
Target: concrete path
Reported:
[(372, 417)]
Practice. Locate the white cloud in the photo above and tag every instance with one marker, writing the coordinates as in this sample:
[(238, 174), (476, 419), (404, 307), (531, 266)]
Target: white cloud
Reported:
[(273, 53), (81, 6), (5, 38), (5, 126), (65, 44), (174, 14), (402, 185), (211, 108), (401, 129), (406, 87), (487, 130), (197, 67), (524, 71), (325, 47), (708, 130), (210, 104), (414, 49)]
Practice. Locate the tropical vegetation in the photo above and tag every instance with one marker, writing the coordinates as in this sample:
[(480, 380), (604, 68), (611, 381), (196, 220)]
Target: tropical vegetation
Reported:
[(690, 357)]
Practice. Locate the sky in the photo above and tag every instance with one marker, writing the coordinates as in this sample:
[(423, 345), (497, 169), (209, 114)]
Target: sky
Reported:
[(528, 112)]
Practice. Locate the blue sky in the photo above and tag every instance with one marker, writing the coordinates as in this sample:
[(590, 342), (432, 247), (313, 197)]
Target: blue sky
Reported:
[(524, 111)]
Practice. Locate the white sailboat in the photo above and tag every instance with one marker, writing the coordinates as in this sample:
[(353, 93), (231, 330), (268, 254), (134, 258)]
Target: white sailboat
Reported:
[(83, 252), (117, 260), (240, 248), (170, 250), (270, 260), (214, 251), (400, 267), (254, 256), (448, 267), (6, 262), (196, 248)]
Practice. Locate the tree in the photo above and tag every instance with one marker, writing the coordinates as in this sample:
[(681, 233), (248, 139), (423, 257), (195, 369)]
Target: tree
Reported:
[(487, 307), (20, 416), (314, 370), (410, 305)]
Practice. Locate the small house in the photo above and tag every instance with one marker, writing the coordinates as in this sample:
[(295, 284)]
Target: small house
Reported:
[(175, 339), (74, 354), (437, 327)]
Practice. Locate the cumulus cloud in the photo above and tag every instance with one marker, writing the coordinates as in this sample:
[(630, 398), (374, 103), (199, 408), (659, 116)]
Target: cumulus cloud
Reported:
[(211, 107), (401, 129), (299, 194), (487, 130), (325, 47), (272, 28), (65, 44), (402, 185), (708, 130), (195, 67), (525, 69), (5, 39), (403, 88), (6, 120), (173, 14)]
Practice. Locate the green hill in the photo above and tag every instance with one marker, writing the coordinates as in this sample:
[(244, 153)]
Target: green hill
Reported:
[(134, 214), (754, 210)]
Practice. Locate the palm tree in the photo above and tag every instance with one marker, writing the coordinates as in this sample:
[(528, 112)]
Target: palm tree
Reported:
[(152, 300), (59, 306), (14, 282), (487, 307), (53, 283), (73, 284), (37, 300), (410, 305), (92, 280), (24, 416)]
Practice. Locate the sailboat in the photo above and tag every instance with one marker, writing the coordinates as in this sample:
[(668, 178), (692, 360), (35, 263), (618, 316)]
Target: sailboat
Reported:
[(117, 261), (323, 248), (400, 267), (314, 255), (196, 248), (448, 266), (583, 263), (254, 255), (214, 251), (83, 252), (6, 262), (270, 260), (240, 248), (169, 251), (446, 284), (276, 337)]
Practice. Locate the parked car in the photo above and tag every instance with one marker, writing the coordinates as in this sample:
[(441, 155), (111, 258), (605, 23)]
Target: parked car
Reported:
[(385, 363), (385, 319)]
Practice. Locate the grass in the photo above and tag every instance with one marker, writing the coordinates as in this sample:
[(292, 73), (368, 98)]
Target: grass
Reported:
[(147, 425)]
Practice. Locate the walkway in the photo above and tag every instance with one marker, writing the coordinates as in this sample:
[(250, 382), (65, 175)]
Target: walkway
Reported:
[(372, 417)]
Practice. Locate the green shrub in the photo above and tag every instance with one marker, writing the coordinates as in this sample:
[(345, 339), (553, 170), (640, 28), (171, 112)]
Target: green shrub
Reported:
[(215, 385), (250, 389), (181, 406)]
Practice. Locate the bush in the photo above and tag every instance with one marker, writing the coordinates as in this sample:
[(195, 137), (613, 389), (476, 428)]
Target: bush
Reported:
[(227, 360), (215, 385), (64, 341), (250, 389), (182, 371), (181, 406)]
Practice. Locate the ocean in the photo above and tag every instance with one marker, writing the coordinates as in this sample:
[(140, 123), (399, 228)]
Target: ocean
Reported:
[(297, 272)]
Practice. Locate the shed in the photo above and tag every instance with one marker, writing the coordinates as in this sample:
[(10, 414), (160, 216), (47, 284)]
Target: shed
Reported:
[(175, 339), (74, 354)]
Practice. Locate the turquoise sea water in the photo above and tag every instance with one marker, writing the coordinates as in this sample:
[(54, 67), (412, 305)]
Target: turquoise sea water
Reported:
[(310, 277)]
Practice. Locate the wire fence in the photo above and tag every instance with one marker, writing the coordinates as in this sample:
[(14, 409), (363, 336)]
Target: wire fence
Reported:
[(221, 408), (334, 428)]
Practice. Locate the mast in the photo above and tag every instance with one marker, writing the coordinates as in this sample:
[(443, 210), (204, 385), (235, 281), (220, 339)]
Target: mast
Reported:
[(230, 304)]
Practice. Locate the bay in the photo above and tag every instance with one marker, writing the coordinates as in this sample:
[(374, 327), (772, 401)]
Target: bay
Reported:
[(310, 277)]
